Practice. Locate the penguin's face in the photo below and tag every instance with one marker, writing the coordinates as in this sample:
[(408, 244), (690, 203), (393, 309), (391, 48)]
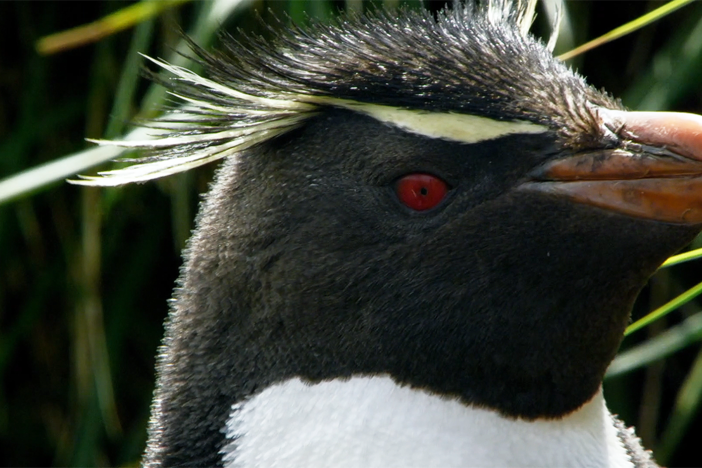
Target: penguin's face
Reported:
[(342, 271), (437, 201)]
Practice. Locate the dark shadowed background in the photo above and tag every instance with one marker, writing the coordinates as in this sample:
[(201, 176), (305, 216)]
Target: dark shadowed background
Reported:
[(85, 273)]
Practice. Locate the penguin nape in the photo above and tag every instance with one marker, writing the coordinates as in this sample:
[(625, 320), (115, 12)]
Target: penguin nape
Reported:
[(421, 250)]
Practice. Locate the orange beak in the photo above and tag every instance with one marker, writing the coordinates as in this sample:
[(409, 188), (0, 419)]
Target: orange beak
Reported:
[(655, 174)]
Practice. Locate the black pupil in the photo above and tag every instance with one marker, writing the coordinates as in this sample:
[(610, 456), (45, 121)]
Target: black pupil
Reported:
[(423, 191)]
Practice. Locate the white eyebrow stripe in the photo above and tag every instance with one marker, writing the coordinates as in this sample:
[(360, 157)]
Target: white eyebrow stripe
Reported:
[(463, 128)]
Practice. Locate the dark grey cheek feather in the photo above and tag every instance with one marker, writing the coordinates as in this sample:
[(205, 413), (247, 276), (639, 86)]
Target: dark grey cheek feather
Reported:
[(304, 265)]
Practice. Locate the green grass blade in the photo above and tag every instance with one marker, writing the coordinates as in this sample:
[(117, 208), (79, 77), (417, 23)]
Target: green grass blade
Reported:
[(33, 180), (683, 257), (667, 343), (106, 26), (129, 79), (37, 178), (627, 28), (675, 71), (665, 309), (687, 405)]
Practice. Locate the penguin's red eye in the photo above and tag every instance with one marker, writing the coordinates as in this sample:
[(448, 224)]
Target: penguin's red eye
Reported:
[(421, 191)]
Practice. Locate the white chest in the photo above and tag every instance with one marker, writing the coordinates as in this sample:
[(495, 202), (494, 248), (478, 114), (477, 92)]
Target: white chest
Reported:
[(372, 422)]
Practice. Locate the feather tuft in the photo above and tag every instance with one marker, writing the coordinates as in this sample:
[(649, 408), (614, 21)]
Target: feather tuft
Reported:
[(406, 60)]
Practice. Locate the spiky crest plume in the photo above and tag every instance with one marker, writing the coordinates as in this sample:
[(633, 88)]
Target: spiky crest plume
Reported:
[(470, 60)]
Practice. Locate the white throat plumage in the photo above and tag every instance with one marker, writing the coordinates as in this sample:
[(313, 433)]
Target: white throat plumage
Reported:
[(373, 422)]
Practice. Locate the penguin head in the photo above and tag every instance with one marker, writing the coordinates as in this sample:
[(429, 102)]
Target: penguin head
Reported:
[(437, 200)]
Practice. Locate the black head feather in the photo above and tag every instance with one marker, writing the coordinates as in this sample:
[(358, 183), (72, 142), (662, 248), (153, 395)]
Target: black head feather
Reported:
[(472, 59)]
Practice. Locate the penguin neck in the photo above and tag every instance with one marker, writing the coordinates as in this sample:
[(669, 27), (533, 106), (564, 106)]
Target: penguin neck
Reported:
[(373, 422)]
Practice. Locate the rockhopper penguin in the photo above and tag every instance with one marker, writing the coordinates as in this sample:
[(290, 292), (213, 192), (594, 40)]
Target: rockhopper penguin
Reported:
[(421, 250)]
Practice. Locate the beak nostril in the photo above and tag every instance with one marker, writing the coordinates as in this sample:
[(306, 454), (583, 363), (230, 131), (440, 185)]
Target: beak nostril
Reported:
[(678, 132)]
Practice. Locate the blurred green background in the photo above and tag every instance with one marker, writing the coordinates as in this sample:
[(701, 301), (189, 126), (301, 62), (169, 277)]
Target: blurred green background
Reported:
[(85, 273)]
